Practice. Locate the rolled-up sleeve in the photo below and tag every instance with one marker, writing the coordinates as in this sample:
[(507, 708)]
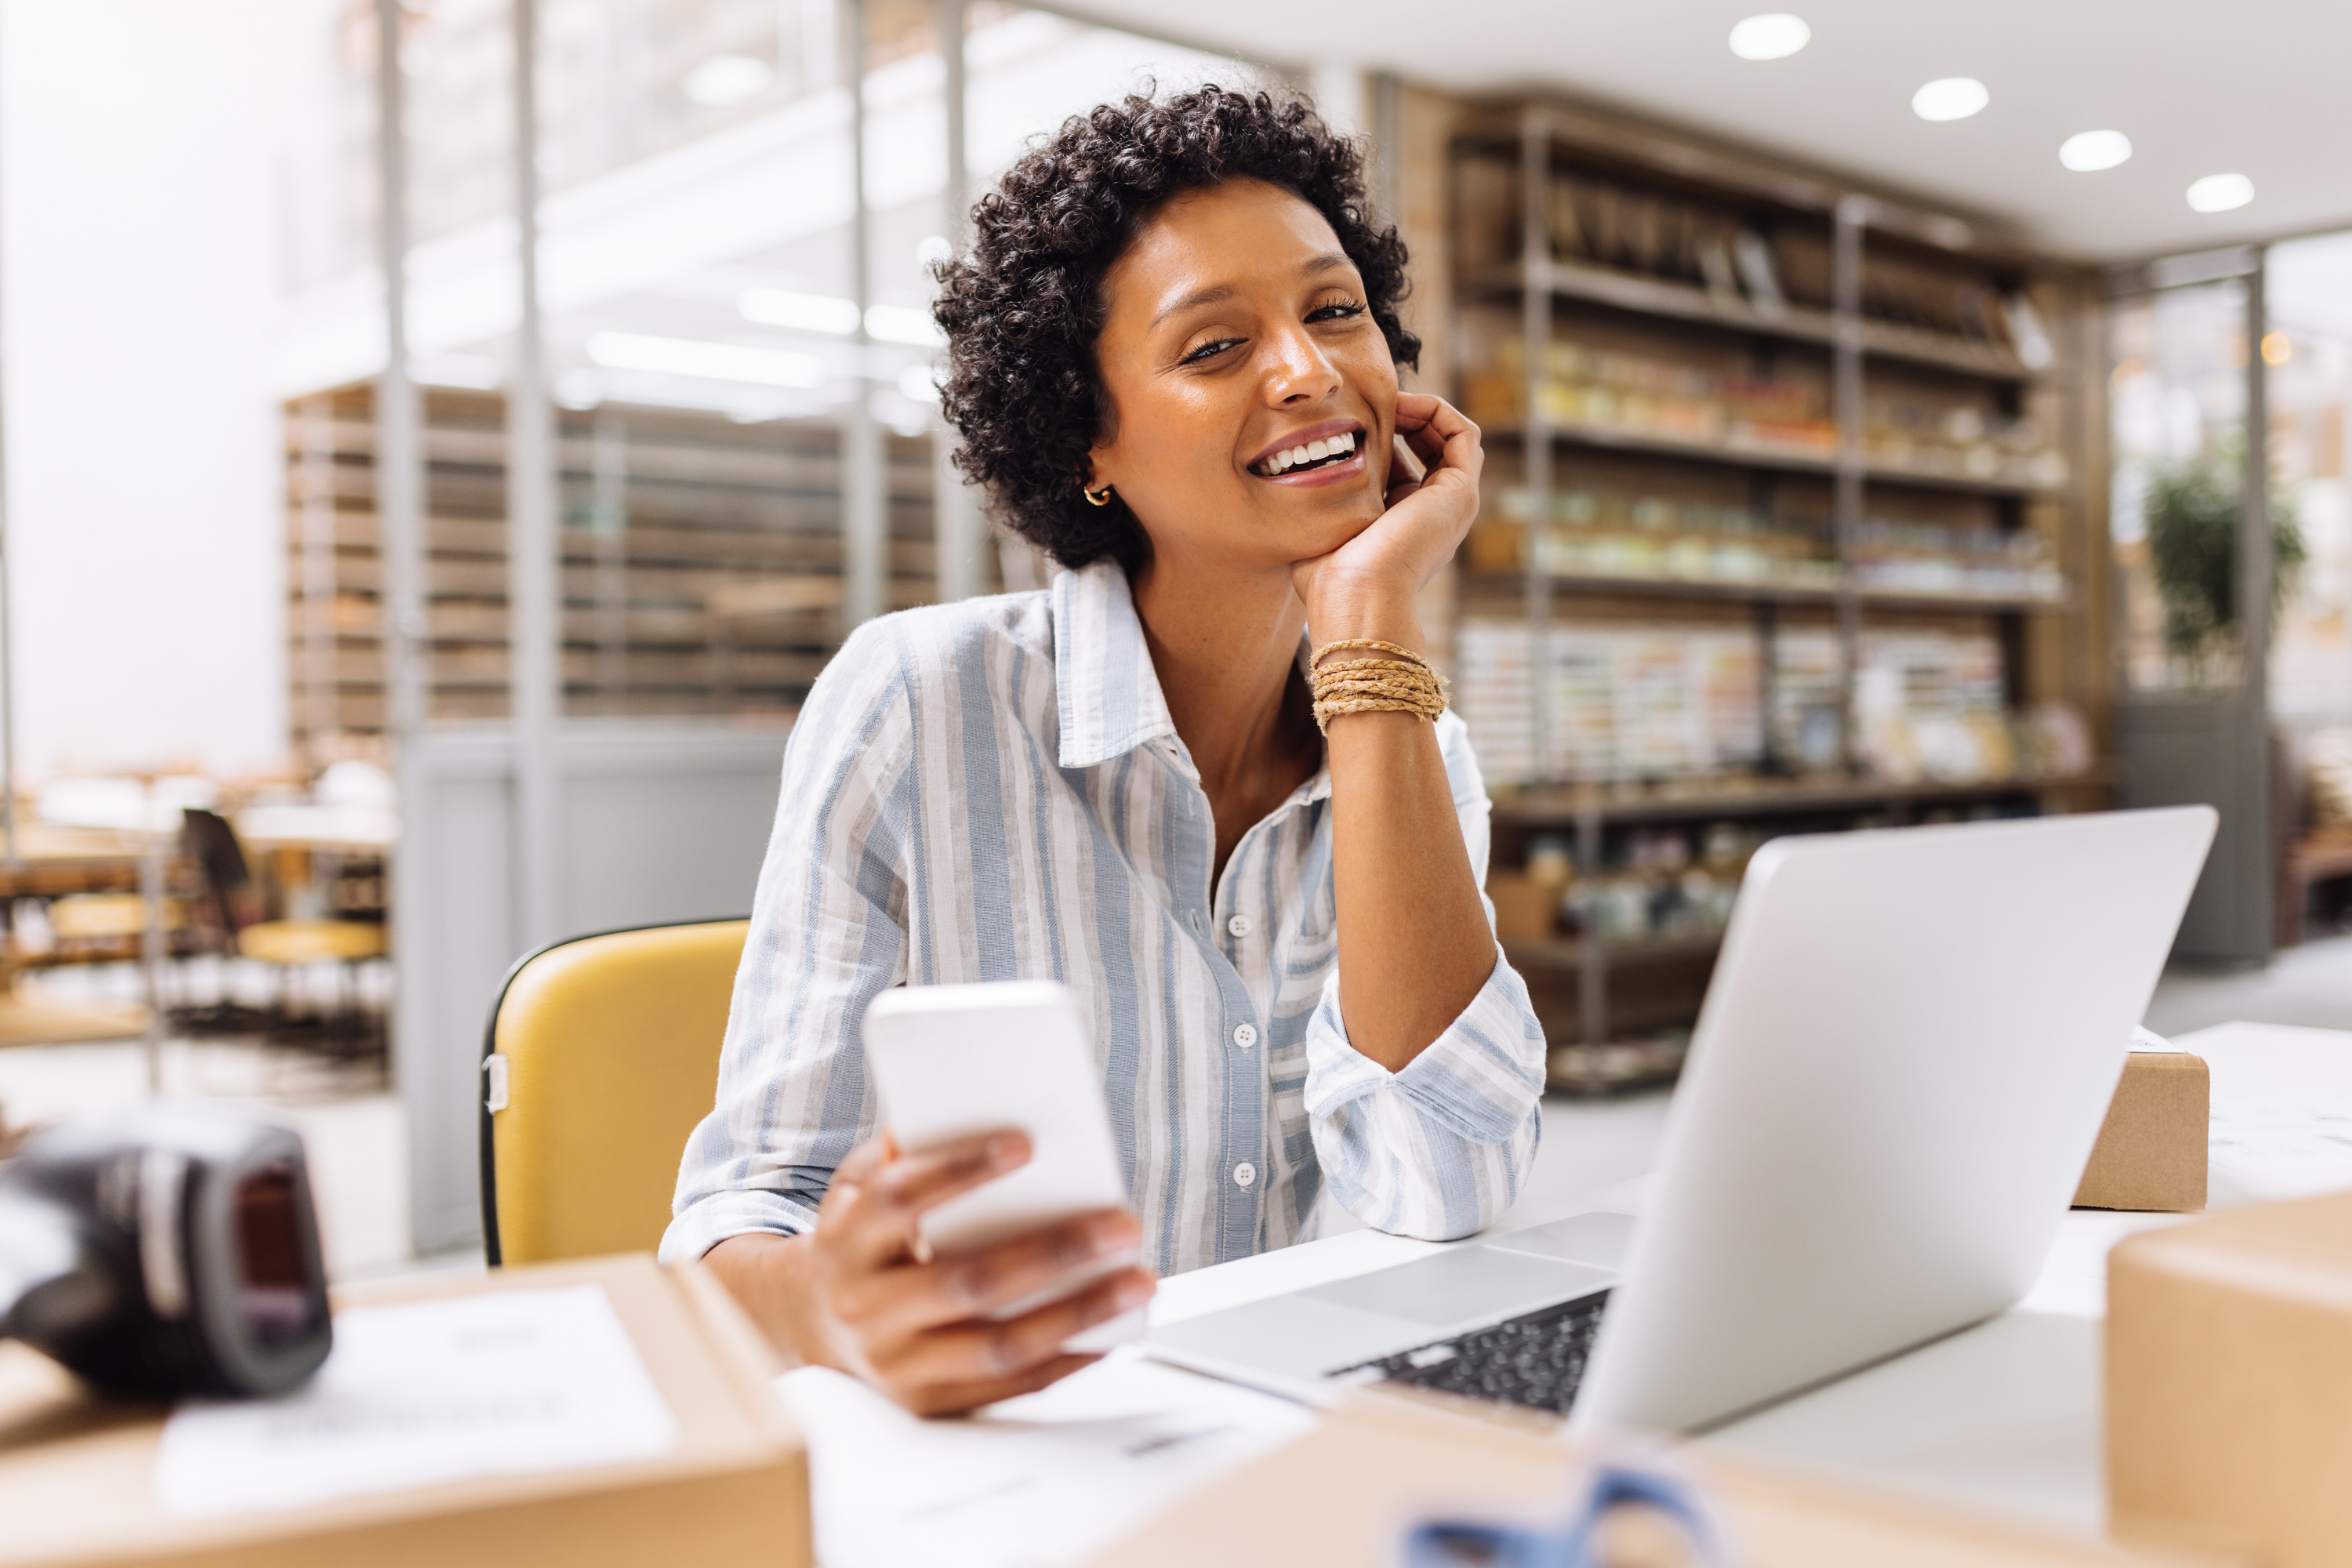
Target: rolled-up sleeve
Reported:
[(1439, 1150), (827, 935)]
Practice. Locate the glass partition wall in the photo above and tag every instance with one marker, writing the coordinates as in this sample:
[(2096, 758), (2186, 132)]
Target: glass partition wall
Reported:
[(2232, 550), (660, 430), (745, 441)]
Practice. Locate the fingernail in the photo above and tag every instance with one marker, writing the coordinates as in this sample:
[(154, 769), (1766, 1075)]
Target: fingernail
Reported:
[(1133, 1291), (1114, 1235), (1004, 1148)]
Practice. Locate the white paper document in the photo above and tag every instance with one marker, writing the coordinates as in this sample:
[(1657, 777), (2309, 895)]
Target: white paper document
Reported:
[(1035, 1482), (505, 1383), (2266, 1148)]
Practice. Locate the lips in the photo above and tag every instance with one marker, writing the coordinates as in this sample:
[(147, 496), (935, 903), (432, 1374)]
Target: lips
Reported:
[(1333, 444)]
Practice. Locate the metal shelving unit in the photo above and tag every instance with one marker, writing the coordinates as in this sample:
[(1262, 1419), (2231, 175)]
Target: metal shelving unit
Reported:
[(1539, 140)]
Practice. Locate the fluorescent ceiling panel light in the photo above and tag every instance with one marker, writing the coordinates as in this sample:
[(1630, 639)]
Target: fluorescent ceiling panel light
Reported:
[(2091, 151), (2221, 192), (724, 79), (801, 312), (1950, 98), (902, 324), (1774, 35), (714, 361)]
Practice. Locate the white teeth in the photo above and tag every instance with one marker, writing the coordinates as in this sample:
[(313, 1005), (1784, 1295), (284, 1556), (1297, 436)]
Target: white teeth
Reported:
[(1312, 452)]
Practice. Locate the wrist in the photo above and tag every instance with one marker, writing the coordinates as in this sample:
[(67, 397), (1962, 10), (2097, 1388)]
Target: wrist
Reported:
[(1367, 610)]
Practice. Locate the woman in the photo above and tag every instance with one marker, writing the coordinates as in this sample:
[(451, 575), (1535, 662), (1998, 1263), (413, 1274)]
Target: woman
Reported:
[(1173, 347)]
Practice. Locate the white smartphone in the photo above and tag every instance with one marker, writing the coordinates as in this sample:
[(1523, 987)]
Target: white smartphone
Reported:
[(953, 1060)]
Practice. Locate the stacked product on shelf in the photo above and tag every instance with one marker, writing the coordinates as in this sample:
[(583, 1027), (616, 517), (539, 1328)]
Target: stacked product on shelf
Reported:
[(700, 559), (1779, 536)]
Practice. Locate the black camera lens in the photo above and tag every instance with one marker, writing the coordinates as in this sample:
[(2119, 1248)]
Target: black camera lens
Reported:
[(273, 1287)]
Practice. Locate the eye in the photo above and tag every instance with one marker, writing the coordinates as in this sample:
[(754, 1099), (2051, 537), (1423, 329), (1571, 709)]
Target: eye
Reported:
[(1209, 350), (1335, 311)]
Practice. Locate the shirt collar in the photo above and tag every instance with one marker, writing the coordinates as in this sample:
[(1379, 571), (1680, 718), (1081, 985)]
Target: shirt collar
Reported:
[(1110, 692), (1110, 696)]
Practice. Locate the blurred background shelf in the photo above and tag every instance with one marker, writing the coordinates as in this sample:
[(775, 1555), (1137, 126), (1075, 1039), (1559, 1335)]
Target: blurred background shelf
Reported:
[(1786, 459), (1732, 409), (1651, 296), (1701, 799), (1734, 591)]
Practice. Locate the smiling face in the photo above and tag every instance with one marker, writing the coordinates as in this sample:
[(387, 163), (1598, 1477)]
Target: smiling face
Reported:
[(1253, 396)]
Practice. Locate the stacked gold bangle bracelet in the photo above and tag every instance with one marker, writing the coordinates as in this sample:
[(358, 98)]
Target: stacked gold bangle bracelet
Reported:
[(1407, 683)]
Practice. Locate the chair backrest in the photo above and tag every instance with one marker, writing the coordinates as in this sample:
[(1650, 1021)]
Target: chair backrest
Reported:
[(207, 839), (602, 1055)]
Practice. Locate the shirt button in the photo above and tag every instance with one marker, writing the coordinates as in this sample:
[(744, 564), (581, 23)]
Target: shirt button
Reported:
[(1239, 925), (1245, 1174), (1246, 1035)]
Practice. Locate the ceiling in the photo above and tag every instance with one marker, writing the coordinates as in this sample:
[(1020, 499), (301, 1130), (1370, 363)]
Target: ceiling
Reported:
[(2252, 86)]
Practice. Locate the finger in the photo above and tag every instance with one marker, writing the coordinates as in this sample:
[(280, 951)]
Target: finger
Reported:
[(878, 1216), (978, 1351), (956, 1398), (992, 1278), (1414, 409), (1446, 436), (924, 1180)]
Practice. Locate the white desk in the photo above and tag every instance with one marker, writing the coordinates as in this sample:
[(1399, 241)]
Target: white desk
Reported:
[(2003, 1417)]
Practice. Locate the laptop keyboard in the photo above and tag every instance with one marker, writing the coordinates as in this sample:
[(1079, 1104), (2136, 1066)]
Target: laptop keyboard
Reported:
[(1537, 1359)]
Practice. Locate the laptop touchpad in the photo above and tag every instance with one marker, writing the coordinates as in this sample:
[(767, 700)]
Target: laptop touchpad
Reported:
[(1599, 1239), (1465, 1285)]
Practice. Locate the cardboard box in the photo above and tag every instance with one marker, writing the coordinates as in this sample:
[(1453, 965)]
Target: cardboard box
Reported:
[(2151, 1150), (2229, 1382), (1525, 909), (1345, 1494), (77, 1474)]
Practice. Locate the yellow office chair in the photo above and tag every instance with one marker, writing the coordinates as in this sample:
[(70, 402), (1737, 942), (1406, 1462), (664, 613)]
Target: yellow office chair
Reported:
[(602, 1056)]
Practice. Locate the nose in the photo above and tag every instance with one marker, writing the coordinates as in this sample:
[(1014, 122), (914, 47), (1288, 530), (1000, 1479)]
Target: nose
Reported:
[(1297, 370)]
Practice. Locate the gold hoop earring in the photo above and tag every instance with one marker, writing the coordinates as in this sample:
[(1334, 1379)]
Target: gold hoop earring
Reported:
[(1094, 500)]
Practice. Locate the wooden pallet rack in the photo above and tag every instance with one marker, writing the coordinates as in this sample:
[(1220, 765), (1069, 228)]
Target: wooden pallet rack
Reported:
[(1879, 306), (701, 560)]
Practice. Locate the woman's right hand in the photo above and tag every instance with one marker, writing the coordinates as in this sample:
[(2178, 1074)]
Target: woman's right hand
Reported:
[(859, 1295)]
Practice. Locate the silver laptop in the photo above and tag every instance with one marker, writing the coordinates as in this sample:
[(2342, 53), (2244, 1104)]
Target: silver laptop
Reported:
[(1898, 1072)]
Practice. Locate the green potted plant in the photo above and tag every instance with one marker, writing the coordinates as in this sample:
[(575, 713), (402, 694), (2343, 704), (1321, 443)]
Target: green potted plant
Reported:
[(2193, 543)]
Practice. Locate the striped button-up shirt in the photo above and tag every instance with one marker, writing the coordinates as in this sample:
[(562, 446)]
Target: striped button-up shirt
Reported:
[(994, 790)]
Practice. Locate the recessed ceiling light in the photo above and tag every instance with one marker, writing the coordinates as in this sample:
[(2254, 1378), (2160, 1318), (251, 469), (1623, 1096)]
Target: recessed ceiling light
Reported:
[(723, 80), (2219, 193), (1950, 98), (1774, 35), (2093, 149)]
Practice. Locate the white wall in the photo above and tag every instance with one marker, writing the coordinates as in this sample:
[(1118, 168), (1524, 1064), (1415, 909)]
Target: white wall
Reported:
[(138, 280)]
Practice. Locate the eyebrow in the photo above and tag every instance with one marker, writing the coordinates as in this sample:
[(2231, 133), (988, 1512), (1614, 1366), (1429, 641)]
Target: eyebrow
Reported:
[(1220, 292)]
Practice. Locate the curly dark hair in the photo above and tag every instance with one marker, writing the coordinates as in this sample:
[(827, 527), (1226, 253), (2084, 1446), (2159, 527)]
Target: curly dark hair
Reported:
[(1024, 306)]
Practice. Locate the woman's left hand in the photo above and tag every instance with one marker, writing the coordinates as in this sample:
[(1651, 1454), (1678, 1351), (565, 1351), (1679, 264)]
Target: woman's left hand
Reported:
[(1374, 576)]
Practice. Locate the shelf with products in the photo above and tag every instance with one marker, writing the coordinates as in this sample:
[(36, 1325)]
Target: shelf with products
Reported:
[(1643, 703), (1745, 590), (1697, 799), (1624, 289), (1715, 407), (700, 560), (1783, 530)]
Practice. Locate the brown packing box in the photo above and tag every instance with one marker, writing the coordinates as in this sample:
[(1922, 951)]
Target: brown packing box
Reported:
[(1525, 909), (2229, 1378), (2151, 1149), (1344, 1495), (76, 1475)]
